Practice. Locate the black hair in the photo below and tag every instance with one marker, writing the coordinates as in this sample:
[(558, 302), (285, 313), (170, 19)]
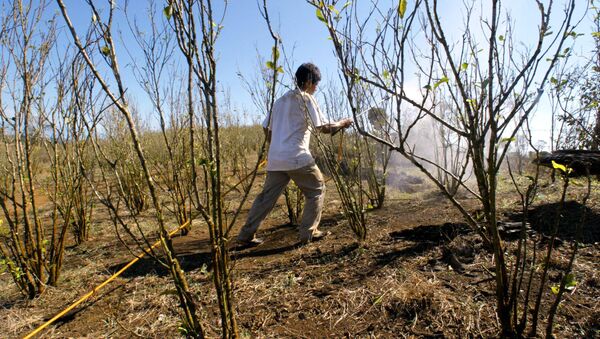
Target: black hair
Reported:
[(307, 72)]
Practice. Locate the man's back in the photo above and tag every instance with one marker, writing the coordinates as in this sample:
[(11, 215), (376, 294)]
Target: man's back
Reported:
[(291, 129)]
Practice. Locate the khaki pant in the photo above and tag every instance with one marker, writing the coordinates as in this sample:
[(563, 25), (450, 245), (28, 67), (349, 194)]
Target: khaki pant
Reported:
[(310, 181)]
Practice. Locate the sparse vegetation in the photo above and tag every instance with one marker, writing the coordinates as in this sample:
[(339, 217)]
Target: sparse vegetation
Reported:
[(442, 222)]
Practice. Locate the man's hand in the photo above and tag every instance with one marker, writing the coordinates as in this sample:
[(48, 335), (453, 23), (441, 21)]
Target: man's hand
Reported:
[(345, 123), (335, 127)]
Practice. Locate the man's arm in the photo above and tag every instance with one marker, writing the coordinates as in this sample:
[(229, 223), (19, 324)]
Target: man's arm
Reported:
[(334, 127)]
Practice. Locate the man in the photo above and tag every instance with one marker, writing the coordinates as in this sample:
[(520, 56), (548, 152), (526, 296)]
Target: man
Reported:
[(295, 115)]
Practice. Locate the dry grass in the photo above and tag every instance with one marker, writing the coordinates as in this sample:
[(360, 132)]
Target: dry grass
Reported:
[(385, 287)]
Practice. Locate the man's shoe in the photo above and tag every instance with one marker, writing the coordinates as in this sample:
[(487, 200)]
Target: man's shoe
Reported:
[(250, 243), (318, 235)]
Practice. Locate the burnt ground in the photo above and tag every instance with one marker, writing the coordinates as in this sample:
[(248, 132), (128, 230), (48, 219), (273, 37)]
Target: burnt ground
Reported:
[(421, 273)]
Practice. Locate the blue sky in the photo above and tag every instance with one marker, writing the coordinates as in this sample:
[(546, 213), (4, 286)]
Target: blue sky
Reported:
[(305, 39), (244, 35)]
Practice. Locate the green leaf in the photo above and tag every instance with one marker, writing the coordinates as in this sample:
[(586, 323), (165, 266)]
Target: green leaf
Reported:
[(332, 8), (204, 269), (553, 81), (275, 52), (427, 87), (105, 50), (555, 289), (402, 8), (596, 35), (320, 16), (280, 69), (183, 330), (501, 37), (513, 139), (168, 12), (472, 103), (386, 74), (18, 272), (464, 66), (570, 281), (348, 3), (564, 169), (441, 81), (270, 65), (592, 104)]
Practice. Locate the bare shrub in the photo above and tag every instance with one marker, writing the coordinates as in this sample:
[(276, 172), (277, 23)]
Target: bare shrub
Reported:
[(100, 37), (32, 248), (488, 93)]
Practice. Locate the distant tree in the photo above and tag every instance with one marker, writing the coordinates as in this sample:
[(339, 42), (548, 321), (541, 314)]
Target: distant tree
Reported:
[(575, 96), (590, 96)]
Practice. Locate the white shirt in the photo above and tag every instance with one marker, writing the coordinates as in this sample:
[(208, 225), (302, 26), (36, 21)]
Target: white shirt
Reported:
[(290, 130)]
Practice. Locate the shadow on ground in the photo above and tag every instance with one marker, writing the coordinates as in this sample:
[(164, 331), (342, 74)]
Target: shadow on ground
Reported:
[(150, 266), (71, 315), (194, 253), (543, 220), (422, 239)]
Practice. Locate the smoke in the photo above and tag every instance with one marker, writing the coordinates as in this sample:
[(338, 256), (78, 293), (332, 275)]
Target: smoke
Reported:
[(403, 175), (434, 147)]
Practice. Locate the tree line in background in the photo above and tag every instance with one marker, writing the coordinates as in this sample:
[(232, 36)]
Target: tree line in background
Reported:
[(75, 144)]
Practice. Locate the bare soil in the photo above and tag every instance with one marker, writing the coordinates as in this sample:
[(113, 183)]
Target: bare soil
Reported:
[(421, 273)]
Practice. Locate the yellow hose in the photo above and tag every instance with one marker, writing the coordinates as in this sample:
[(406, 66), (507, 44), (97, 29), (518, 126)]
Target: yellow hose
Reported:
[(97, 288), (262, 163)]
